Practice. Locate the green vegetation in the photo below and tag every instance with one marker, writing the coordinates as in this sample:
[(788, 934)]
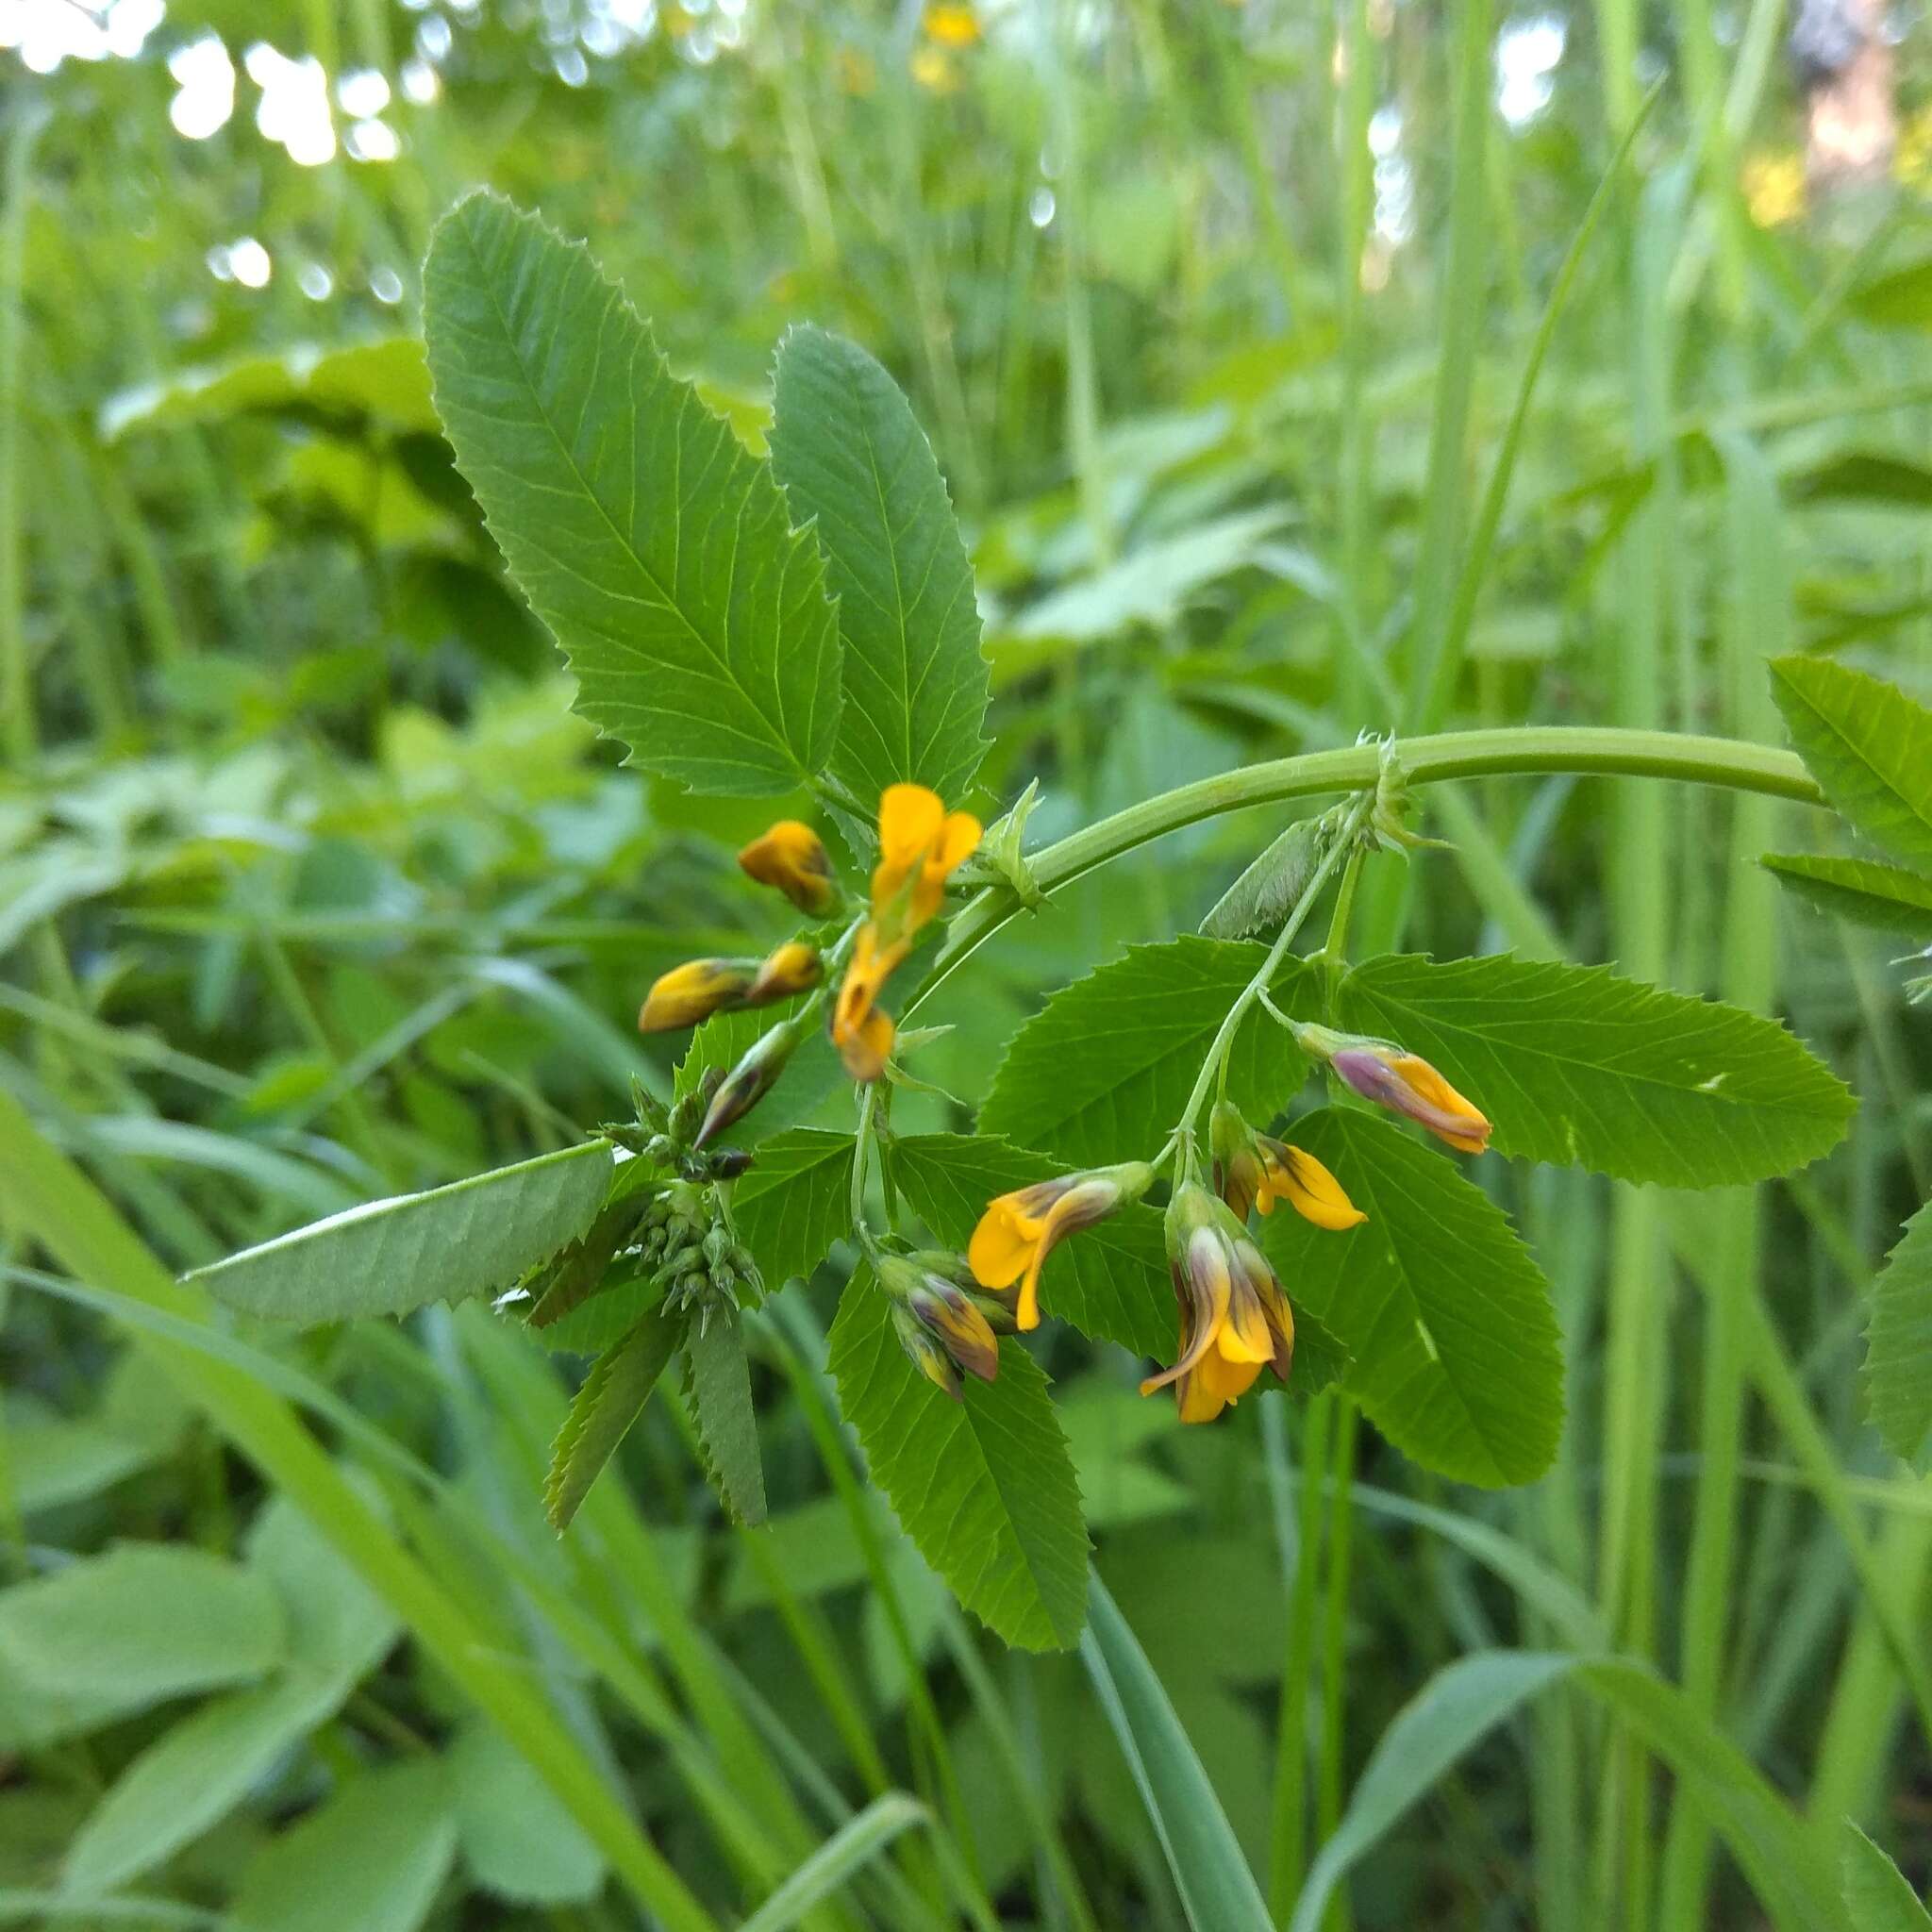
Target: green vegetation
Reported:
[(1213, 671)]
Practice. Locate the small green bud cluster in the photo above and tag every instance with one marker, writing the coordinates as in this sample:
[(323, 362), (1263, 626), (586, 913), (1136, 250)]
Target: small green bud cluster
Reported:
[(691, 1254)]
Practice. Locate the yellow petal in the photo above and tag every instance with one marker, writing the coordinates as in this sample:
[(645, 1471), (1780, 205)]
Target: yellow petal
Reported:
[(958, 840), (1309, 1189), (865, 1045), (1002, 1246), (1245, 1337), (911, 816)]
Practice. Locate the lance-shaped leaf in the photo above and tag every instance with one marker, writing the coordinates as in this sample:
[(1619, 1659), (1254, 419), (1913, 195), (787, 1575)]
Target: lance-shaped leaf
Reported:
[(1102, 1072), (1898, 1344), (718, 1385), (984, 1486), (1861, 890), (449, 1245), (1446, 1317), (1574, 1064), (1878, 1897), (850, 455), (1257, 903), (659, 553), (1868, 746), (795, 1202), (612, 1399)]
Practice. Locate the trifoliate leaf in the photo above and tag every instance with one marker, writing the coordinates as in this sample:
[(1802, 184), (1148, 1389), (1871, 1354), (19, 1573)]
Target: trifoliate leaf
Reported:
[(795, 1202)]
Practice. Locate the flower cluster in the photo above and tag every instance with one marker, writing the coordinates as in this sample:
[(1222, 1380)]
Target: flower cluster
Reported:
[(944, 1321)]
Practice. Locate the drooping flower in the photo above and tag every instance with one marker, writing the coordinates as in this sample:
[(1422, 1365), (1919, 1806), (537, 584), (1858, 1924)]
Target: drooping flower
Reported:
[(921, 844), (1254, 1170), (1019, 1230), (694, 991), (753, 1076), (951, 25), (1234, 1319), (939, 1322), (790, 856), (1395, 1078), (793, 968)]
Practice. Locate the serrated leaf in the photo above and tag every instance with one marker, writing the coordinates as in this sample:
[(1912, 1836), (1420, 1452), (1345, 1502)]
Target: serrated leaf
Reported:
[(1447, 1318), (983, 1486), (1102, 1072), (1878, 1896), (718, 1381), (449, 1245), (1898, 1344), (1573, 1064), (1257, 903), (1861, 890), (517, 1838), (606, 1318), (1110, 1280), (795, 1202), (142, 1623), (1868, 746), (659, 552), (611, 1398), (581, 1270), (373, 1856), (850, 454)]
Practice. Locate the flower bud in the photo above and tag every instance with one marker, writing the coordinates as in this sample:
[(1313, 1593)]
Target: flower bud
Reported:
[(1019, 1230), (926, 1288), (694, 991), (1403, 1081), (1254, 1170), (750, 1080), (790, 856), (791, 969)]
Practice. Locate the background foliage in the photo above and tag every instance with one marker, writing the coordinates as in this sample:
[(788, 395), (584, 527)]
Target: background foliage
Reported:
[(312, 888)]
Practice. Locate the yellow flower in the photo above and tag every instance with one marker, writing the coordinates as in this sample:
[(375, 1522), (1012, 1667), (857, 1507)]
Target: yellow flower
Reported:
[(1234, 1319), (921, 844), (793, 968), (1254, 1170), (790, 856), (952, 26), (1393, 1078), (941, 1323), (694, 991), (1019, 1230)]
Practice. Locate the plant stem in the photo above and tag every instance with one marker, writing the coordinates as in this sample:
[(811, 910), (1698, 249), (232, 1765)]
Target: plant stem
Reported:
[(1498, 751), (1217, 1053)]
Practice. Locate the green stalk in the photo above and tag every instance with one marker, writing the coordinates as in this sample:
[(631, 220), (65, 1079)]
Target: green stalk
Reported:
[(16, 680), (1328, 1778), (55, 1204), (1518, 750)]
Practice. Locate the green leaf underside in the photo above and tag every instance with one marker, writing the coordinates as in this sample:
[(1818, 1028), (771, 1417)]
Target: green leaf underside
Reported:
[(1257, 903), (611, 1398), (621, 1301), (984, 1487), (1898, 1344), (1860, 890), (717, 1380), (449, 1245), (1576, 1065), (1868, 746), (1110, 1280), (795, 1202), (659, 552), (1878, 1895), (1102, 1072), (850, 454), (1456, 1354), (517, 1838)]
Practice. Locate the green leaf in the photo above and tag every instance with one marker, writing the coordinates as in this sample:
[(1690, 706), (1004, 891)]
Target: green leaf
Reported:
[(611, 1398), (579, 1271), (452, 1243), (1454, 1710), (194, 1775), (1110, 1280), (1902, 298), (656, 550), (338, 1625), (1218, 1892), (143, 1623), (795, 1202), (1576, 1065), (372, 1856), (1868, 746), (983, 1486), (606, 1318), (516, 1838), (1876, 1894), (1446, 1317), (1101, 1072), (1898, 1344), (852, 457), (1861, 890), (717, 1380), (1257, 903)]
